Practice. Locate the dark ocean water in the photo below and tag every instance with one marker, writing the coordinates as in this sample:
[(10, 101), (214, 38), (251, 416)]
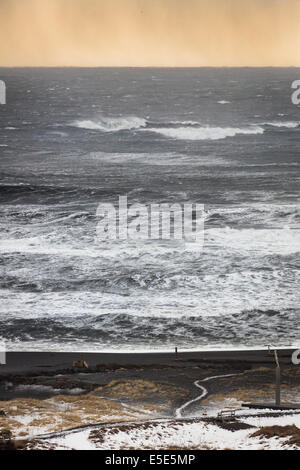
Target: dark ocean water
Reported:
[(71, 139)]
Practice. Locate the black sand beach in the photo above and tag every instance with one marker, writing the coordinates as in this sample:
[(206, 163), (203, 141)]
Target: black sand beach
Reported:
[(22, 363), (41, 375)]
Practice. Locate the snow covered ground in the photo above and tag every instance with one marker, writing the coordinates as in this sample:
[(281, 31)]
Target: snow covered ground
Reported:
[(182, 435)]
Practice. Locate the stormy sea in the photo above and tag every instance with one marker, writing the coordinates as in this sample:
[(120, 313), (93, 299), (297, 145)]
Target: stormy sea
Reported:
[(71, 139)]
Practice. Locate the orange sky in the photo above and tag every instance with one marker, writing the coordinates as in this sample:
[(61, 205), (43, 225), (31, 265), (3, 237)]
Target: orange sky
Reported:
[(150, 33)]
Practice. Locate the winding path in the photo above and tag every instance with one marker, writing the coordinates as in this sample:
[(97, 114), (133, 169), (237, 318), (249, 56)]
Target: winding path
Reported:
[(178, 413), (197, 383)]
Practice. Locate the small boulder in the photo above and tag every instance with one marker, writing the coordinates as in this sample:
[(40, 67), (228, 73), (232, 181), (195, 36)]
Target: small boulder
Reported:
[(80, 364)]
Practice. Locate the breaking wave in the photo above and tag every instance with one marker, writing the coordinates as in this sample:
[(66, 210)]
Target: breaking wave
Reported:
[(42, 331), (205, 133), (178, 130), (111, 124), (287, 124)]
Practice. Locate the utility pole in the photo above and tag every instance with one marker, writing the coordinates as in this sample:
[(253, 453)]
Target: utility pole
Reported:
[(278, 378)]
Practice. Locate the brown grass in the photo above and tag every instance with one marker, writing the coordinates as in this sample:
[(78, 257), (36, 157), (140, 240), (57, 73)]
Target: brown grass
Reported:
[(26, 416), (64, 412), (258, 393), (136, 390), (291, 433)]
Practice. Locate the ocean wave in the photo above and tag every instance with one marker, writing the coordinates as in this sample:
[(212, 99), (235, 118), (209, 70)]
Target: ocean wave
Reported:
[(185, 123), (280, 216), (82, 216), (87, 285), (205, 133), (73, 235), (282, 241), (286, 124), (122, 330), (179, 130), (111, 124)]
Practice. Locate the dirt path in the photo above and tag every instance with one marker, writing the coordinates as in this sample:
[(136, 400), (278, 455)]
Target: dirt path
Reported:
[(204, 392)]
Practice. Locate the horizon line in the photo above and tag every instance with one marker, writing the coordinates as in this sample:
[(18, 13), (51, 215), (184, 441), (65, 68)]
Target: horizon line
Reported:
[(149, 67)]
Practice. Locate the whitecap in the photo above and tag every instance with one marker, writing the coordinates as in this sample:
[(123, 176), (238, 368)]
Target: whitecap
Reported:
[(111, 124), (287, 124), (206, 133)]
